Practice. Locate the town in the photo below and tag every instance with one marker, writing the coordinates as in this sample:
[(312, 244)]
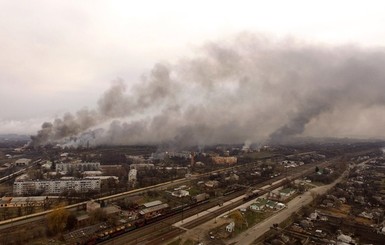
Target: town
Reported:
[(321, 193)]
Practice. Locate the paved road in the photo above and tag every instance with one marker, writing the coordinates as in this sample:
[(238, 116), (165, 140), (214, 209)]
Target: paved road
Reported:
[(294, 205)]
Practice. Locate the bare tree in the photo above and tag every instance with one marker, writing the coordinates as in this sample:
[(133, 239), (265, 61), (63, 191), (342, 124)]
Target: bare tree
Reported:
[(57, 220)]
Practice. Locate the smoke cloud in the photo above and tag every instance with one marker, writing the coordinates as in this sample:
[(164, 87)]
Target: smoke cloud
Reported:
[(243, 88)]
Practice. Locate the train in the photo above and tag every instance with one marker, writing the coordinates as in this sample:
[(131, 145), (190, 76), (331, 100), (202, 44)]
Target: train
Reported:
[(233, 189), (111, 232), (251, 194)]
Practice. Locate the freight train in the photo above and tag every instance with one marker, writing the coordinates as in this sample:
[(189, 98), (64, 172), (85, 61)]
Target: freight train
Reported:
[(112, 232), (251, 194)]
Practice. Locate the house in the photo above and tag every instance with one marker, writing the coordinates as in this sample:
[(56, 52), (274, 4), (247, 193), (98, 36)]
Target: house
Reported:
[(366, 215), (286, 193), (271, 204), (257, 206), (314, 216)]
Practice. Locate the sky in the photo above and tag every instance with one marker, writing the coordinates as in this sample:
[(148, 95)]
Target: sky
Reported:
[(64, 56)]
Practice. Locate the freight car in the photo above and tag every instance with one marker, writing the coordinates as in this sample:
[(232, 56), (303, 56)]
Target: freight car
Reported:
[(251, 194), (112, 232)]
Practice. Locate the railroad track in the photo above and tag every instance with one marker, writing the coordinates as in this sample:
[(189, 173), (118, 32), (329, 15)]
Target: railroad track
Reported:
[(40, 217), (36, 217), (165, 237), (161, 231)]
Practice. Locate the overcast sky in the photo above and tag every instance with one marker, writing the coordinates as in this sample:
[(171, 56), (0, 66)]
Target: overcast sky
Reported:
[(60, 56)]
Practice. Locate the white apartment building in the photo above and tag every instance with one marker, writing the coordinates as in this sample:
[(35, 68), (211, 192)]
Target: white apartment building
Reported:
[(55, 186), (79, 166), (132, 175)]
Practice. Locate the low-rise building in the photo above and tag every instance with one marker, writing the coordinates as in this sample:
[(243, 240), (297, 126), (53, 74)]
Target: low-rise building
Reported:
[(286, 193), (92, 206), (154, 211), (212, 184), (224, 160), (10, 202), (259, 205), (22, 162)]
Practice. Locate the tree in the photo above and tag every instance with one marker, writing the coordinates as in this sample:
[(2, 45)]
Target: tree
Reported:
[(237, 217), (71, 221), (98, 215), (316, 169), (301, 188), (57, 220)]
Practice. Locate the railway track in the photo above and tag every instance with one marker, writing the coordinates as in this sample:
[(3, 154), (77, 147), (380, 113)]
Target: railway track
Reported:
[(162, 231), (40, 217), (37, 217), (163, 226)]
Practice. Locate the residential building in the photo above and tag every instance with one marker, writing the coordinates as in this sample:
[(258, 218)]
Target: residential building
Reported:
[(132, 177), (224, 160), (142, 166), (78, 166), (55, 186)]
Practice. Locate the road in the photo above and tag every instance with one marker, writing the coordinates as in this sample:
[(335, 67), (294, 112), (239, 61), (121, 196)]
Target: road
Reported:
[(152, 234), (294, 205), (38, 217)]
